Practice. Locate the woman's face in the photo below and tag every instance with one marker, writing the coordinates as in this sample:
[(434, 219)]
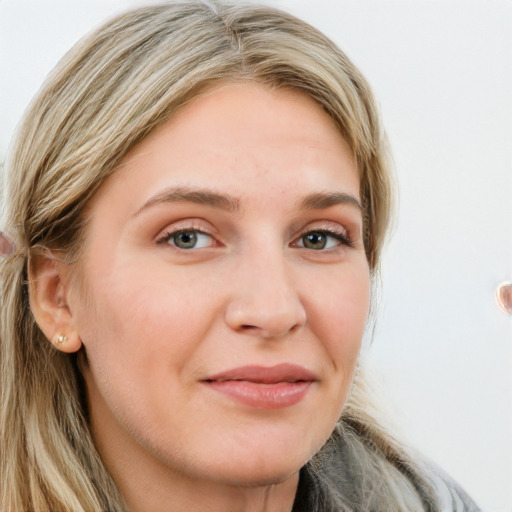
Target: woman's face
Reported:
[(226, 290)]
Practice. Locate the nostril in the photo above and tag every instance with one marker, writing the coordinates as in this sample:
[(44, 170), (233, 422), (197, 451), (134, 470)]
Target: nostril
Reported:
[(256, 330), (247, 327), (296, 327), (264, 318)]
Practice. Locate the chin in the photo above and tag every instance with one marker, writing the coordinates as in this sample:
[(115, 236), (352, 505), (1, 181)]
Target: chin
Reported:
[(266, 458), (260, 471), (259, 478)]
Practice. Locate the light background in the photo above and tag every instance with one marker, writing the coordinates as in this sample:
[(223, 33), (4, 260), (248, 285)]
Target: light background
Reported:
[(442, 72)]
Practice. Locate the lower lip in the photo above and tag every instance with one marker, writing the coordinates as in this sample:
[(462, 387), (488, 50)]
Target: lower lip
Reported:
[(262, 396)]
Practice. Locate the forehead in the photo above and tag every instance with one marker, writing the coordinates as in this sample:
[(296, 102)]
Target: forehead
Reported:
[(237, 134)]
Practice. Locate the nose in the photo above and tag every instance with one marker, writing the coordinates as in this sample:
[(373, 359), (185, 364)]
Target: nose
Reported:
[(265, 301)]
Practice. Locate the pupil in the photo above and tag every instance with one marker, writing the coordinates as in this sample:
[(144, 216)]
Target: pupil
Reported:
[(185, 240), (315, 241)]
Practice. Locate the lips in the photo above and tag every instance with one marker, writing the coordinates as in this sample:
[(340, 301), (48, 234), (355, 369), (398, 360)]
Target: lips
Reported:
[(262, 387)]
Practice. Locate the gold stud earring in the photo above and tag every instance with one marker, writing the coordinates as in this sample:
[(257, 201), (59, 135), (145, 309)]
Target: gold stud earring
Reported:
[(61, 338)]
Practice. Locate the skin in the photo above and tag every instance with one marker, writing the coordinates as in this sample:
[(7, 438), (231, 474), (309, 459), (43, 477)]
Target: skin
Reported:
[(156, 320)]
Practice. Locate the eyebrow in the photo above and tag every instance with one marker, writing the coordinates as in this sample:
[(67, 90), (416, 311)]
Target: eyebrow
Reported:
[(321, 200), (189, 195), (314, 201)]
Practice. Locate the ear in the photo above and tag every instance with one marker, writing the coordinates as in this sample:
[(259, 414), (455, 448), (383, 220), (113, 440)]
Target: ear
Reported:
[(48, 293)]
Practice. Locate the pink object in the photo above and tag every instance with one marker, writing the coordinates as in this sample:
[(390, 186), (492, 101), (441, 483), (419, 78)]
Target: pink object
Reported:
[(7, 245), (504, 297), (273, 387)]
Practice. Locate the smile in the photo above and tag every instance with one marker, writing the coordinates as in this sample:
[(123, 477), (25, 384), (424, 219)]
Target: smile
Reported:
[(264, 387)]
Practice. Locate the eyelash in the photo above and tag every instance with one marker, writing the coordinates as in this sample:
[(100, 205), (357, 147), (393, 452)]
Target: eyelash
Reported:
[(341, 237), (168, 236)]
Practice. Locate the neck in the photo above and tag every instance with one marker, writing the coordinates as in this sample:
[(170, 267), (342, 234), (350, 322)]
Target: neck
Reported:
[(202, 496)]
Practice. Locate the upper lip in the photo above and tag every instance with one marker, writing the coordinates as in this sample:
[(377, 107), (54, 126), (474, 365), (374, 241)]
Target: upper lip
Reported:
[(285, 372)]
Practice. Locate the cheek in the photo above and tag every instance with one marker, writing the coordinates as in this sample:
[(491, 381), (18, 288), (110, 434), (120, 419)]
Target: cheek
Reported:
[(339, 315), (138, 321), (138, 336)]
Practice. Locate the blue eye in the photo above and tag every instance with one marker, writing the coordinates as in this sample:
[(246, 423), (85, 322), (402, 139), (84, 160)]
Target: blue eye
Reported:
[(188, 239), (322, 240)]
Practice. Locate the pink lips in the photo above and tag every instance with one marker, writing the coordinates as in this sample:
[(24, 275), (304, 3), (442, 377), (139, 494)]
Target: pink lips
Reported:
[(262, 387)]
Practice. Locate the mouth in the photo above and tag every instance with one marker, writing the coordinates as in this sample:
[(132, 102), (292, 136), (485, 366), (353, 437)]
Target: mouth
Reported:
[(263, 387)]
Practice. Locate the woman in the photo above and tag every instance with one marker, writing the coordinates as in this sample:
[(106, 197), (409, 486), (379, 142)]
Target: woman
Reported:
[(199, 196)]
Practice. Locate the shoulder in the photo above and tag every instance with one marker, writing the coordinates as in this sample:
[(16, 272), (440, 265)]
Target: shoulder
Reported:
[(451, 495), (348, 476)]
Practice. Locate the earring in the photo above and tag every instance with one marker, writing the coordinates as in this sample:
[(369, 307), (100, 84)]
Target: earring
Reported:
[(61, 338)]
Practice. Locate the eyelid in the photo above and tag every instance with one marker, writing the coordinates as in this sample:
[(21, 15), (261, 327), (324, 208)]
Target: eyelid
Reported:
[(173, 234), (347, 234), (341, 236), (184, 226)]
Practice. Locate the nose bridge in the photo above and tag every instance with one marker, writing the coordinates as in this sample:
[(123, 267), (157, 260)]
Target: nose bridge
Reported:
[(265, 301)]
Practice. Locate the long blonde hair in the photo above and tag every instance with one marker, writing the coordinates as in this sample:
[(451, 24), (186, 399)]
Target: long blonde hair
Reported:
[(108, 93)]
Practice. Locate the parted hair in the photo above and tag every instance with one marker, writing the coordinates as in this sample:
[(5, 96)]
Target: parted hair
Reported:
[(107, 94)]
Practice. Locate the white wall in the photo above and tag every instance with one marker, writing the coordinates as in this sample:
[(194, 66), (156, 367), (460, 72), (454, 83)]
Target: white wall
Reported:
[(442, 71)]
